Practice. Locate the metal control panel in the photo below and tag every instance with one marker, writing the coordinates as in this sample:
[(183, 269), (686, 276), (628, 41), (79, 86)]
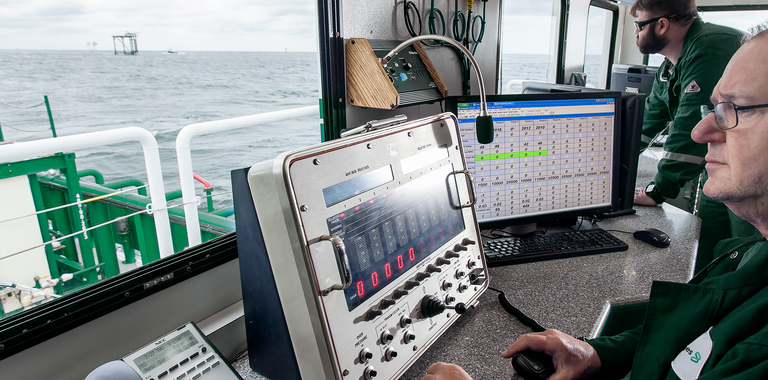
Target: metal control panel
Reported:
[(372, 241)]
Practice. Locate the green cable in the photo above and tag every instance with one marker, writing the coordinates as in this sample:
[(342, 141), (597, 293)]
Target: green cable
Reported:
[(432, 11), (477, 40), (456, 15)]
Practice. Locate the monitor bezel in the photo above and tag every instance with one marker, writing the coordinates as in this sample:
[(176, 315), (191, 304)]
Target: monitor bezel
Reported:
[(451, 105)]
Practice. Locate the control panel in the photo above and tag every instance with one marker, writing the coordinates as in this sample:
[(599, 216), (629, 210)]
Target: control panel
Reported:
[(373, 247)]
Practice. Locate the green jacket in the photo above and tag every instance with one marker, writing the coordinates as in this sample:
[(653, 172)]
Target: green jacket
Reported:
[(678, 93), (725, 302)]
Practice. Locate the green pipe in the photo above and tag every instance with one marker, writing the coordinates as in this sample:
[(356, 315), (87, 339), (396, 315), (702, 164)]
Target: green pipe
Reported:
[(225, 212), (209, 199), (176, 194), (91, 173), (127, 183)]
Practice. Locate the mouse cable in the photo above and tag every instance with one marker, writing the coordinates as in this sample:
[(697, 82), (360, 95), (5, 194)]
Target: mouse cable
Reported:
[(623, 232), (528, 321)]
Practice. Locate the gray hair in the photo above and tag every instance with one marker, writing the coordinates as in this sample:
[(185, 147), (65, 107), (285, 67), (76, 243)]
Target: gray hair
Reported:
[(758, 31)]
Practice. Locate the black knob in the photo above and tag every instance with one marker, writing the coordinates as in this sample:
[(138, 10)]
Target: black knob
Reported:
[(405, 321), (421, 276), (467, 241), (449, 299), (442, 261), (459, 274), (431, 306), (368, 355), (459, 247), (460, 308), (471, 264), (433, 269), (373, 313), (399, 293), (407, 66), (451, 255), (409, 337), (386, 337), (385, 303), (463, 288), (410, 284), (447, 285)]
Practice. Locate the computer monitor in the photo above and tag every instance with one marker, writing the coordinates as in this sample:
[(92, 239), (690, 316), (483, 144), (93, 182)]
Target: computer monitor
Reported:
[(554, 156), (632, 111)]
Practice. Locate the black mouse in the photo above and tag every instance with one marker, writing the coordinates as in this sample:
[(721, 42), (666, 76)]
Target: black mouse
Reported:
[(653, 237), (533, 365)]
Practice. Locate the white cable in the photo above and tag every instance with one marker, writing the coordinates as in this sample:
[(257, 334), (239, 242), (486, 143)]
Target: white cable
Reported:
[(149, 210), (72, 204), (21, 108), (22, 130)]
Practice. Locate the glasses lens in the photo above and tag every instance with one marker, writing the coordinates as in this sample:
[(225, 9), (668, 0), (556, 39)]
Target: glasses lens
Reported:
[(725, 115), (638, 27)]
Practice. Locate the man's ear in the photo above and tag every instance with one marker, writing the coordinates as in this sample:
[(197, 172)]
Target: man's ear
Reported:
[(663, 25)]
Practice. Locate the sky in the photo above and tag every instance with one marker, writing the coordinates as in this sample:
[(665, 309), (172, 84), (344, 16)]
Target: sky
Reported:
[(244, 25)]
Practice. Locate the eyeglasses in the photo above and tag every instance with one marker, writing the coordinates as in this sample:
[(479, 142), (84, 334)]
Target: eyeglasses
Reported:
[(726, 113), (639, 25)]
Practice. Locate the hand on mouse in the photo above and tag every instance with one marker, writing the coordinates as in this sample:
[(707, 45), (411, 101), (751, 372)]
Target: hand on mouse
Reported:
[(572, 358), (446, 371)]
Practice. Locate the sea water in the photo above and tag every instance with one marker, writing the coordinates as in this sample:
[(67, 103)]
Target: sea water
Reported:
[(93, 91)]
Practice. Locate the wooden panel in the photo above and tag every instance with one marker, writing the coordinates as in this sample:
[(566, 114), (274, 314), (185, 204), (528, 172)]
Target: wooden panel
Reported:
[(431, 68), (367, 83)]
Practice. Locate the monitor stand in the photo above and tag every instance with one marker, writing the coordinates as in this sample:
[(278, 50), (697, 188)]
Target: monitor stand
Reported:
[(613, 214)]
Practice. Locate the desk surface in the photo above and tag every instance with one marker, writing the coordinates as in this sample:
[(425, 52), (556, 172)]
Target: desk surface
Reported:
[(567, 294)]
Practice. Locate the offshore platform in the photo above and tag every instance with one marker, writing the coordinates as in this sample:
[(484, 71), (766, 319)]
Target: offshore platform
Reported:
[(132, 48)]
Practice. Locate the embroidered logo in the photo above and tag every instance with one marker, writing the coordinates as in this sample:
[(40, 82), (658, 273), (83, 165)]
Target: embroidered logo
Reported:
[(693, 87), (689, 363)]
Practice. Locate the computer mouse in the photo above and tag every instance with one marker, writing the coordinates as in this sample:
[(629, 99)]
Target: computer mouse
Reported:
[(653, 237), (533, 365)]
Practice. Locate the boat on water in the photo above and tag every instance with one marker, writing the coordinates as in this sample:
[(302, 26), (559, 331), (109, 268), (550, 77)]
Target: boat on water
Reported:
[(92, 268)]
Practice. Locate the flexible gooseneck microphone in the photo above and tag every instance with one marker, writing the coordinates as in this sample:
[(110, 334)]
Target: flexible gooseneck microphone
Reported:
[(484, 122)]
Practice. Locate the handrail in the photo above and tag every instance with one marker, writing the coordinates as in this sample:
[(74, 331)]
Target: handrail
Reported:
[(32, 149), (184, 156)]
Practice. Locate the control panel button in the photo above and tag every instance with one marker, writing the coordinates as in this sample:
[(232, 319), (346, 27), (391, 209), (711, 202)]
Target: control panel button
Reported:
[(446, 285), (386, 337), (405, 321), (365, 355), (399, 293), (460, 274), (471, 264), (433, 269), (421, 276), (449, 300), (390, 354), (442, 261), (451, 255), (385, 303), (373, 313), (369, 372), (459, 247), (463, 288), (411, 284), (408, 336), (467, 241)]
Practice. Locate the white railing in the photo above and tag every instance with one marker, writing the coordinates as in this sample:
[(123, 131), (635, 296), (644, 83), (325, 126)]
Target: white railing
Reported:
[(33, 149), (184, 156)]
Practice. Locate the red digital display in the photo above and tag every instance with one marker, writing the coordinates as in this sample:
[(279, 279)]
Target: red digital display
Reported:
[(375, 279), (360, 289), (411, 254), (400, 262), (388, 270)]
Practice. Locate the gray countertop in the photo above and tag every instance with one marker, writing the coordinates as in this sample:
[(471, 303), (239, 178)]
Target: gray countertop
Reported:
[(567, 294)]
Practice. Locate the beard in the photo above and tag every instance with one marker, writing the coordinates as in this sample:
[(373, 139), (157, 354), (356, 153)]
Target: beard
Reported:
[(652, 43)]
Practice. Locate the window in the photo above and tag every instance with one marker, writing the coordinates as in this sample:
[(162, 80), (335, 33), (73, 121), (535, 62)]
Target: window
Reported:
[(529, 43), (596, 54)]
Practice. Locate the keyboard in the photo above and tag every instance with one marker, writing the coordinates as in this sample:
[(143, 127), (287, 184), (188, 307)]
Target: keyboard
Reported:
[(525, 249)]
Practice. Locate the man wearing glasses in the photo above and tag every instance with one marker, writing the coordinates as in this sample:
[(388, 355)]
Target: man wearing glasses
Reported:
[(715, 326), (696, 55)]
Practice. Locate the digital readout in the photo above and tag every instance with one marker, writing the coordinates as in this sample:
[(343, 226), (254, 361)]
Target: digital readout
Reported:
[(358, 185), (388, 235), (164, 352)]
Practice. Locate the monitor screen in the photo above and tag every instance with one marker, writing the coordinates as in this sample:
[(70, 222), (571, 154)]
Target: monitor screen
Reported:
[(554, 156)]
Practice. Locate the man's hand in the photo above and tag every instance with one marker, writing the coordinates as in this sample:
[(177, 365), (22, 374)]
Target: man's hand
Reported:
[(642, 199), (573, 358), (445, 371)]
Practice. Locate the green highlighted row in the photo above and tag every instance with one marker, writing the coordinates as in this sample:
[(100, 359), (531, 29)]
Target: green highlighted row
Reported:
[(503, 156)]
